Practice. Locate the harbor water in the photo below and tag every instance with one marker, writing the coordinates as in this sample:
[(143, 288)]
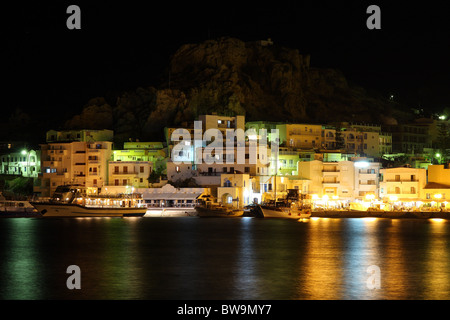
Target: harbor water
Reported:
[(192, 258)]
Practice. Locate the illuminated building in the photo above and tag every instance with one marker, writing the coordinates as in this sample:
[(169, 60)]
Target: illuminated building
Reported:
[(402, 184)]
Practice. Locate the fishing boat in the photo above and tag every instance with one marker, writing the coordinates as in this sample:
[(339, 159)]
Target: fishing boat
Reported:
[(211, 209), (294, 211), (75, 201)]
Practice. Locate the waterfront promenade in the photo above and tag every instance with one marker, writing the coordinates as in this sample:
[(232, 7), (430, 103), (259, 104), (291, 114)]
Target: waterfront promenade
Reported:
[(382, 214)]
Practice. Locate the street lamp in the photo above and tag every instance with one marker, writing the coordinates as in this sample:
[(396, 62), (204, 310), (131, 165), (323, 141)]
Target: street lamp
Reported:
[(437, 196)]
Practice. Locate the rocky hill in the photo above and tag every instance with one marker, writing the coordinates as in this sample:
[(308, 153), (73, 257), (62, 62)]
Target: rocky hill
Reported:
[(266, 82), (260, 80)]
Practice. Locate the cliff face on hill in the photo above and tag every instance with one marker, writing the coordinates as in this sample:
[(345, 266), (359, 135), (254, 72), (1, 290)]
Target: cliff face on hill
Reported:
[(229, 76), (266, 82)]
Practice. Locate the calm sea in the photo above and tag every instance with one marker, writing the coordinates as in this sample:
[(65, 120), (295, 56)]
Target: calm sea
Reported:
[(213, 258)]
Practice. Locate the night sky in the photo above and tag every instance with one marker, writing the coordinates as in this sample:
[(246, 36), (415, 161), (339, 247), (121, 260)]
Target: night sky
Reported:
[(47, 68)]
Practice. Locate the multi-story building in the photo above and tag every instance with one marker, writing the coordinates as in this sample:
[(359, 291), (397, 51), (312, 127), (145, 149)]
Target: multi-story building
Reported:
[(73, 162), (209, 167), (409, 138), (153, 152), (79, 135), (26, 163), (438, 187), (129, 173), (214, 121), (402, 184), (307, 136), (343, 180)]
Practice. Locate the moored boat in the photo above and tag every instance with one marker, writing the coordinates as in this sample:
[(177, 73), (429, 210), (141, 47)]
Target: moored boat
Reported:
[(73, 201), (212, 210), (295, 211), (170, 212), (13, 208)]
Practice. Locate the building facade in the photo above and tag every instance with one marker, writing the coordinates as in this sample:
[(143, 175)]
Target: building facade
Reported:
[(77, 162), (129, 173), (25, 163), (402, 184)]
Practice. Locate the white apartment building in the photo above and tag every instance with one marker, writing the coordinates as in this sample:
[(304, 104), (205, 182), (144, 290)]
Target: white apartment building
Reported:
[(26, 163), (214, 121), (343, 180), (76, 162), (209, 169), (402, 184)]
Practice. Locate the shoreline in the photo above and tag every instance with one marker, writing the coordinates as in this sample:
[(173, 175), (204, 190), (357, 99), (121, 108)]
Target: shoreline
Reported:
[(381, 214)]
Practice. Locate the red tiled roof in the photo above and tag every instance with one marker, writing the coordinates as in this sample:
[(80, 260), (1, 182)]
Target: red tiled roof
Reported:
[(435, 185)]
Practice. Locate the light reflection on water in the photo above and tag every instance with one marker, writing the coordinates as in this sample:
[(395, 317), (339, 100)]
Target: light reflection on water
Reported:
[(193, 258)]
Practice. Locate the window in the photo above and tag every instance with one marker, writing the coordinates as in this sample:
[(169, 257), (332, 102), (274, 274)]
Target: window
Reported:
[(125, 169), (141, 180), (397, 177), (413, 190), (116, 169), (141, 169), (124, 182), (94, 182), (247, 169), (116, 182)]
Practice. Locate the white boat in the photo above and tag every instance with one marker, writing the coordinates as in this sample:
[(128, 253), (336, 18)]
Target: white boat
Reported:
[(13, 208), (300, 211), (295, 211), (73, 201), (170, 212)]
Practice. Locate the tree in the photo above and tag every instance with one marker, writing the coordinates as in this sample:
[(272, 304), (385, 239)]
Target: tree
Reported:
[(443, 142), (155, 176), (340, 142)]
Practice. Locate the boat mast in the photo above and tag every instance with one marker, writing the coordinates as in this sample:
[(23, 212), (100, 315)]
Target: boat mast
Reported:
[(276, 172)]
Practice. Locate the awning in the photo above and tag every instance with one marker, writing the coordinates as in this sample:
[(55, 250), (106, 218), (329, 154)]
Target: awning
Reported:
[(171, 196)]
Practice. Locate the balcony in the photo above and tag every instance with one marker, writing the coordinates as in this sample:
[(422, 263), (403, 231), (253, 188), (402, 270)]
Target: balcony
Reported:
[(50, 163), (402, 180), (331, 183), (124, 172), (325, 170)]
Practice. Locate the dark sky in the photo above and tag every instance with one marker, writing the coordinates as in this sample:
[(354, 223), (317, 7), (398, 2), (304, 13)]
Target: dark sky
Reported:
[(47, 68)]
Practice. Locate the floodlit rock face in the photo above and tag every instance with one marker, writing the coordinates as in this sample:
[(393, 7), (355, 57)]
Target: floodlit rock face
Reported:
[(265, 82), (257, 79)]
